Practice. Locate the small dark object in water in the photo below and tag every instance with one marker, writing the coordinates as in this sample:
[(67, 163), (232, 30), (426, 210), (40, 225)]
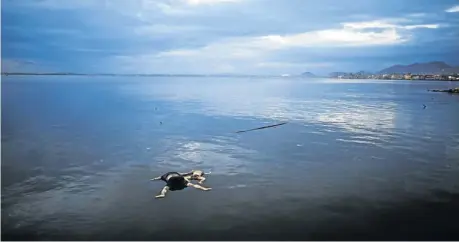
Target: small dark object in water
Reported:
[(452, 90), (160, 122), (264, 127), (424, 106)]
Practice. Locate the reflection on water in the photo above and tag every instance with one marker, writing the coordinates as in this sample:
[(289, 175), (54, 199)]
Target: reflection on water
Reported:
[(356, 160), (316, 103), (218, 155)]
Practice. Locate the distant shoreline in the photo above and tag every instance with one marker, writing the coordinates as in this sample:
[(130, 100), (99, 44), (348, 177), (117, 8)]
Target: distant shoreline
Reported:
[(423, 77), (386, 77)]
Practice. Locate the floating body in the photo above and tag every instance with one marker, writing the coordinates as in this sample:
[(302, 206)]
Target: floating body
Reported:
[(176, 181)]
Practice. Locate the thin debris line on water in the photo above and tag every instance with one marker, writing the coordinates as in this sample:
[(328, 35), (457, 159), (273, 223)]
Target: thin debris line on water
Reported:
[(243, 131), (264, 127)]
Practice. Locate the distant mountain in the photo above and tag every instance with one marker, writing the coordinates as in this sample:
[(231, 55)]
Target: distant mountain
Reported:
[(435, 67), (452, 70), (308, 74)]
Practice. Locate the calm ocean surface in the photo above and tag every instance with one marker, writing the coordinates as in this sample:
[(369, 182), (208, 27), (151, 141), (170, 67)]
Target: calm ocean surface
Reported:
[(357, 160)]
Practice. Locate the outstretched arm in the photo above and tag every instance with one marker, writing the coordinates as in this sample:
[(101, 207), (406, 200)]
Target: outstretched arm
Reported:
[(156, 178), (199, 187), (163, 192)]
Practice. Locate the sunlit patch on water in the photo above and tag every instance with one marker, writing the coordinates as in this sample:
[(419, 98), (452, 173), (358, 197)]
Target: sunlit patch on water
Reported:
[(218, 155), (355, 114)]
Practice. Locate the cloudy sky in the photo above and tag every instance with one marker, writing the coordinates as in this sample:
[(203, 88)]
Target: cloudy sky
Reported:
[(226, 36)]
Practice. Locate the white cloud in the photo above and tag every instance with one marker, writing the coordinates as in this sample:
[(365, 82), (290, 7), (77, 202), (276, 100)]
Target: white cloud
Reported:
[(249, 47), (370, 24), (345, 37), (453, 9), (209, 2), (162, 29), (422, 26), (170, 9), (350, 35), (387, 24), (256, 52), (179, 7), (417, 15), (229, 54)]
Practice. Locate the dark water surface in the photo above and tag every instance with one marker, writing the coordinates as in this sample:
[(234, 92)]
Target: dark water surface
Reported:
[(357, 160)]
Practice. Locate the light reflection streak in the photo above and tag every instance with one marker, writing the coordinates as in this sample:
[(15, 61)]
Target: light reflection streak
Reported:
[(271, 100), (217, 155)]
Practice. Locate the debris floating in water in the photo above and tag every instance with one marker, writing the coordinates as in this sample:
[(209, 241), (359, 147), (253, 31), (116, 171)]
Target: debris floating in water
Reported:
[(424, 106), (264, 127)]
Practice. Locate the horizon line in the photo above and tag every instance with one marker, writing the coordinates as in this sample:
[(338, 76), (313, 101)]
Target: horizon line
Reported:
[(138, 74)]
